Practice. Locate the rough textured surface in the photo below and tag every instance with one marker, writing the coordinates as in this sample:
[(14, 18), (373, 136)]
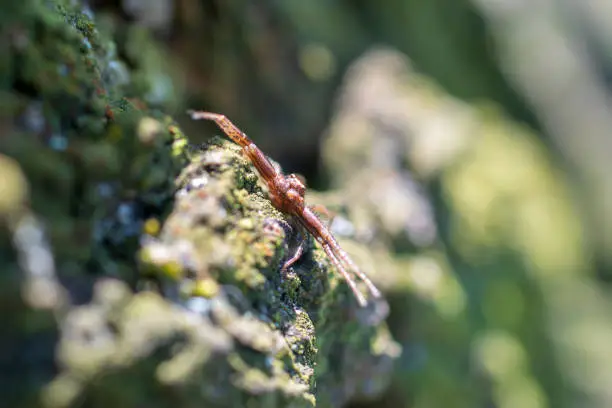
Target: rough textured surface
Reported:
[(138, 271), (219, 254)]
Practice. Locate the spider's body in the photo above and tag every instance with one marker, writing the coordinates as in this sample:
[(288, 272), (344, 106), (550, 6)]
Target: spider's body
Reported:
[(287, 194)]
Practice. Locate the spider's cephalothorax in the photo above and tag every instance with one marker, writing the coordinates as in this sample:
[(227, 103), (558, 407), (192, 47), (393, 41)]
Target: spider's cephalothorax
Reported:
[(287, 195)]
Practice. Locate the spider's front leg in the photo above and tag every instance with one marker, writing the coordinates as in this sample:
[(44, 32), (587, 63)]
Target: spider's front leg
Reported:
[(264, 167)]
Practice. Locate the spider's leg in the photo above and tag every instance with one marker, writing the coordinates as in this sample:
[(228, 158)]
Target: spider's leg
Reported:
[(314, 225), (294, 233), (344, 257), (257, 157), (347, 277), (321, 209), (296, 256), (231, 130)]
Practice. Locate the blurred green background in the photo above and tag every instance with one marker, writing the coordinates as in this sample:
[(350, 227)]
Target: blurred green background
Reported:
[(481, 133)]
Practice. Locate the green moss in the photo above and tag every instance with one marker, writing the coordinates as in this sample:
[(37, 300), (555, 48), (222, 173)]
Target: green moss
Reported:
[(122, 195), (249, 245)]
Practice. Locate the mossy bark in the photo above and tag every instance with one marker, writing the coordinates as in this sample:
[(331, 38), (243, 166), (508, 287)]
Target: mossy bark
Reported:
[(137, 271)]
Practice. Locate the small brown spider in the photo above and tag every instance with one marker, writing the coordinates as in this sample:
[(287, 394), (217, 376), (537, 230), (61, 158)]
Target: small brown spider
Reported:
[(287, 195)]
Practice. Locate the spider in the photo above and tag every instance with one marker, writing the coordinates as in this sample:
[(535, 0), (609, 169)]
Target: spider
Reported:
[(287, 195)]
